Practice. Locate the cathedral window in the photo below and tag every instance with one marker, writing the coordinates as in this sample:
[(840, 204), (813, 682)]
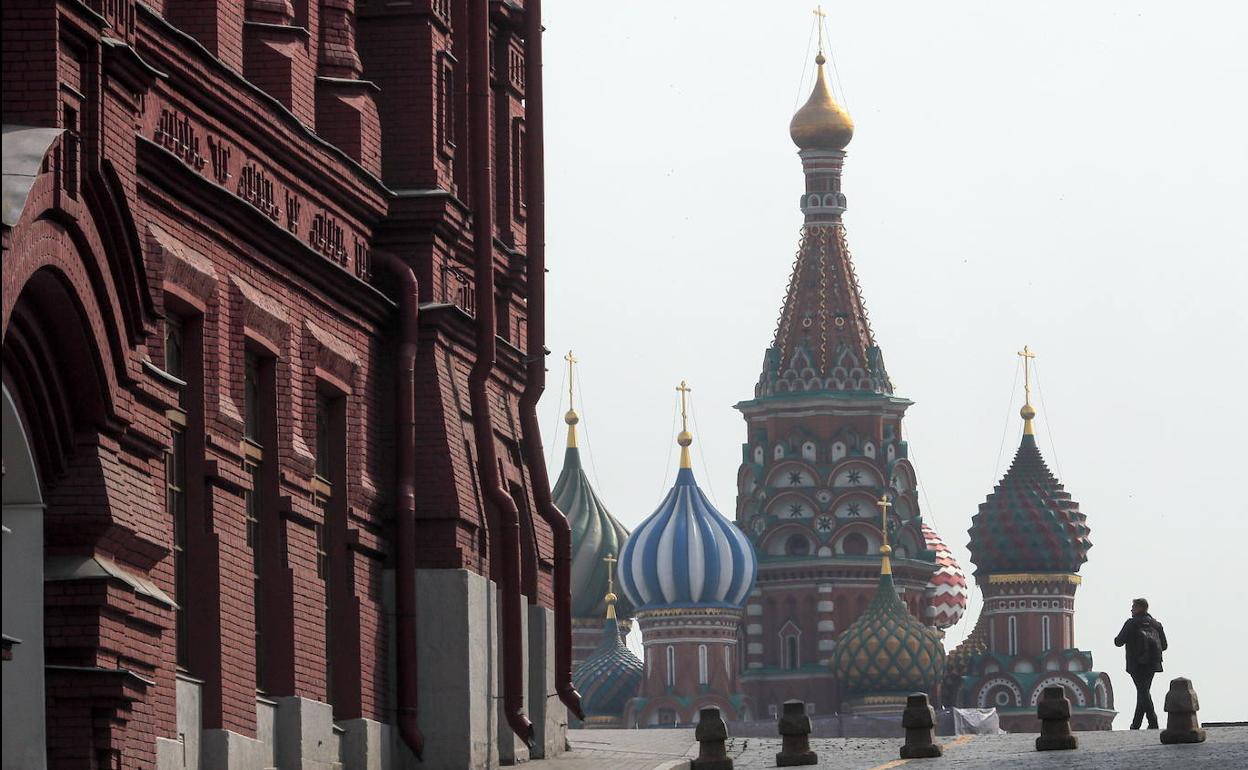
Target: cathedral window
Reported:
[(1012, 631), (1045, 634), (854, 544), (791, 661), (671, 666), (797, 545), (703, 670)]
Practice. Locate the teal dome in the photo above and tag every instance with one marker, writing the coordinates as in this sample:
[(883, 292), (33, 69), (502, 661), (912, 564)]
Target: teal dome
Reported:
[(608, 678), (595, 535)]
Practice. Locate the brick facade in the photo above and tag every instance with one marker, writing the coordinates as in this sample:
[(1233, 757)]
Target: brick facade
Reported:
[(228, 174)]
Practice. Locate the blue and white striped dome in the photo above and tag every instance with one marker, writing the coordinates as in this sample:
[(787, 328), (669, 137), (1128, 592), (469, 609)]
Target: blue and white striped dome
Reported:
[(686, 554)]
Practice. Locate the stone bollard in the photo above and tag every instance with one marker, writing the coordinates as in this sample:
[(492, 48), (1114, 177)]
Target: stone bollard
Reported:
[(1182, 726), (795, 730), (711, 733), (1054, 713), (919, 720)]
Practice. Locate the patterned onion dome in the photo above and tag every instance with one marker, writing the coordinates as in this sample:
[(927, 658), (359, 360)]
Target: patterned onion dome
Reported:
[(887, 650), (1028, 523), (595, 534), (686, 553), (610, 676), (946, 592)]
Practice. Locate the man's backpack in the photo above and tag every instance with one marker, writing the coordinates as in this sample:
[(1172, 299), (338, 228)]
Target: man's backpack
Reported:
[(1150, 645)]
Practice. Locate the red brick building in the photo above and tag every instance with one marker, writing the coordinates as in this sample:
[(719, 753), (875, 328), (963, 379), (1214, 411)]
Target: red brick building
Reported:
[(272, 344)]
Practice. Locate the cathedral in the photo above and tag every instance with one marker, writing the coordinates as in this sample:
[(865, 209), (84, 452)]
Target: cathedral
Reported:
[(842, 592)]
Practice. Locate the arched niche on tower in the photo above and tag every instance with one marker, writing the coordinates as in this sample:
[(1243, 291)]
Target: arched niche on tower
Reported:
[(855, 505), (857, 539), (902, 477), (781, 541), (788, 506), (855, 473), (747, 480), (791, 473)]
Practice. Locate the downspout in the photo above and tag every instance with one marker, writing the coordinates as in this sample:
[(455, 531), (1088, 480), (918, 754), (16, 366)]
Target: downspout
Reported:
[(405, 504), (506, 512), (535, 371)]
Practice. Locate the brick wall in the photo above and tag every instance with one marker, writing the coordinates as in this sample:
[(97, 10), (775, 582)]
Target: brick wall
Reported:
[(227, 172)]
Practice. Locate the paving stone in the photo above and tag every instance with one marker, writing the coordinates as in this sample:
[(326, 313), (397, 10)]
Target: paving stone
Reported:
[(1117, 750)]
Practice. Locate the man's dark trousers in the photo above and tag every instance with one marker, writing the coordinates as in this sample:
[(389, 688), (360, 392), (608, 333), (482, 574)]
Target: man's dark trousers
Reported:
[(1143, 698)]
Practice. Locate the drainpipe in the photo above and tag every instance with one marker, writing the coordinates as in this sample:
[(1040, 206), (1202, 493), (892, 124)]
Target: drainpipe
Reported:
[(535, 371), (405, 503), (497, 499)]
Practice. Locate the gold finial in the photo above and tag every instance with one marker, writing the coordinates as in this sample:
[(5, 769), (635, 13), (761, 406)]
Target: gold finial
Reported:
[(571, 418), (821, 123), (685, 438), (886, 567), (610, 597), (1028, 412)]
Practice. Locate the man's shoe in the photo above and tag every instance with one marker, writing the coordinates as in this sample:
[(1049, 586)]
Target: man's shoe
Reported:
[(1135, 727), (1153, 726)]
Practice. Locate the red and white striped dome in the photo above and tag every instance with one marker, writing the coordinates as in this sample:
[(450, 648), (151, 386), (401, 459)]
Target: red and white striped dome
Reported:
[(946, 592)]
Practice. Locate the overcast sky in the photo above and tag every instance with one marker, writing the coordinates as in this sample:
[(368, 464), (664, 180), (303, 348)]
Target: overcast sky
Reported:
[(1070, 175)]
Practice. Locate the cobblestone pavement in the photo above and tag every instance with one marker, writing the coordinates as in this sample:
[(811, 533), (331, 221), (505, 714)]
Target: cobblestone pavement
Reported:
[(1226, 749)]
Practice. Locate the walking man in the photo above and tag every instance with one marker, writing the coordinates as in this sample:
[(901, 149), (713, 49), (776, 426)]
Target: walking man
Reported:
[(1145, 640)]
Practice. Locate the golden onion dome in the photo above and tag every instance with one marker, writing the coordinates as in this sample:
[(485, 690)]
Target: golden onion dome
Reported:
[(821, 123)]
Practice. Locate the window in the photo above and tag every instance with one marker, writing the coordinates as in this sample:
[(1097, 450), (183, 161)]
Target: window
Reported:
[(446, 105), (854, 544), (517, 168), (797, 545), (324, 436), (703, 673), (251, 397), (1045, 634), (175, 482), (1012, 631), (329, 495), (671, 666), (259, 428), (791, 661)]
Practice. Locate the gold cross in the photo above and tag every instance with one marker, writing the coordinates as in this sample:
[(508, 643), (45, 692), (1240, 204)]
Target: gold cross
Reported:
[(1027, 355), (571, 359), (819, 17), (684, 415), (884, 505), (610, 560)]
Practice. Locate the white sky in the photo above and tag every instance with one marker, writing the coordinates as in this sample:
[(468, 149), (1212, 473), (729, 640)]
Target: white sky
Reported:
[(1067, 175)]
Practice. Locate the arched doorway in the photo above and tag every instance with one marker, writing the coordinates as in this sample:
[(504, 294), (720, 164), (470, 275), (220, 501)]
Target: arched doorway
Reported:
[(23, 708)]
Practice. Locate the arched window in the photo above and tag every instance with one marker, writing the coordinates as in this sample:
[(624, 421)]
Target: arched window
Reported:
[(791, 661), (1045, 638), (704, 676), (854, 544), (1012, 630), (671, 666), (797, 545)]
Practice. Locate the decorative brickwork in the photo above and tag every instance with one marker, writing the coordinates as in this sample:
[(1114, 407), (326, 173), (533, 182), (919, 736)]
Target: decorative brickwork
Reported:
[(203, 358)]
